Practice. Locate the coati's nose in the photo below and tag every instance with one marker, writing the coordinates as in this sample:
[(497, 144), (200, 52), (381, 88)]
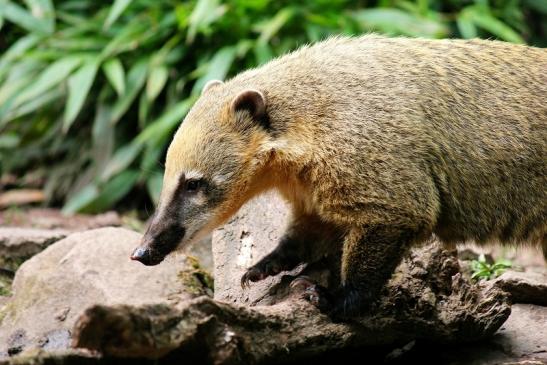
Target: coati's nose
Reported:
[(145, 256)]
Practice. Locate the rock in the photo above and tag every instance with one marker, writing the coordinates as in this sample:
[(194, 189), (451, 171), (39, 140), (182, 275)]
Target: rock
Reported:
[(53, 288), (525, 287), (524, 335), (19, 244), (522, 340), (244, 240), (47, 218)]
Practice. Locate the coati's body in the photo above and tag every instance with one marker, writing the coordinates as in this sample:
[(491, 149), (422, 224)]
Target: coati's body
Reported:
[(377, 143)]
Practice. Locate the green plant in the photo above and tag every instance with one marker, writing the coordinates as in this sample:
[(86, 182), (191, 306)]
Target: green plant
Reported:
[(482, 270), (91, 92)]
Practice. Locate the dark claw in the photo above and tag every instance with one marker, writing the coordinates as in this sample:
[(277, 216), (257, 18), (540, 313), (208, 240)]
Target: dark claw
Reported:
[(253, 274)]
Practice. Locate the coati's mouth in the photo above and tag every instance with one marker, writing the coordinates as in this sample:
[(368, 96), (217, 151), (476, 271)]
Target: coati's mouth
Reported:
[(156, 246), (147, 256)]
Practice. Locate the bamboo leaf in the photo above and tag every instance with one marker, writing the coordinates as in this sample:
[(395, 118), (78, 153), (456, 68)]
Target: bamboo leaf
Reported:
[(270, 28), (156, 81), (81, 199), (16, 50), (20, 16), (123, 157), (217, 69), (115, 11), (466, 27), (114, 72), (135, 81), (203, 15), (51, 76), (112, 192), (486, 21), (44, 11), (9, 140), (162, 127), (398, 22), (79, 85), (153, 185)]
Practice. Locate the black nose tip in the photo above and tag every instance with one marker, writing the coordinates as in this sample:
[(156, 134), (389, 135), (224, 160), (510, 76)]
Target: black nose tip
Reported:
[(145, 256)]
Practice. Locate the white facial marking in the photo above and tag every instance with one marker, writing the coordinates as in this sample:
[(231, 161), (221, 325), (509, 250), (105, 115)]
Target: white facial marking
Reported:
[(220, 179), (193, 174)]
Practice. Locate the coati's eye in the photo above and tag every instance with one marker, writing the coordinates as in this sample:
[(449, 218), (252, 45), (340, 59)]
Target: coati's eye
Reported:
[(193, 185)]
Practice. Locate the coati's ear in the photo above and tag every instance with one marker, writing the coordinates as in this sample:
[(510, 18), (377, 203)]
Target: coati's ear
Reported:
[(252, 101), (210, 84)]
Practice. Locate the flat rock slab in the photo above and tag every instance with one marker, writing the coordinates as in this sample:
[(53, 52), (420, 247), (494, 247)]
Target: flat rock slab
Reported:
[(525, 287), (47, 218), (53, 288), (22, 243)]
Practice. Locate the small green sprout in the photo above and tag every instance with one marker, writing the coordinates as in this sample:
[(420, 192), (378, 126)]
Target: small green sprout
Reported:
[(482, 270)]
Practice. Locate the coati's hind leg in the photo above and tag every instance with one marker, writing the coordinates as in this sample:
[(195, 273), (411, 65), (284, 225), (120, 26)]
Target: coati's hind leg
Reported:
[(306, 240), (369, 258)]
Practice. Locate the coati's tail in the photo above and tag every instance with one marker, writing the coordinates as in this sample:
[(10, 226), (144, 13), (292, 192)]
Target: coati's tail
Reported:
[(544, 247)]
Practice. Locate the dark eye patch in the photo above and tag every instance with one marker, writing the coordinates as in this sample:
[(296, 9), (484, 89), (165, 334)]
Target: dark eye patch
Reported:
[(193, 185)]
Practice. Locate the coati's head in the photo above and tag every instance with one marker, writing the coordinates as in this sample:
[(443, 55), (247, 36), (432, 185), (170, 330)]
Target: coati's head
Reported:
[(212, 167)]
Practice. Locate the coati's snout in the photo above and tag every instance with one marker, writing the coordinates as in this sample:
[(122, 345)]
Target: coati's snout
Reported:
[(158, 241)]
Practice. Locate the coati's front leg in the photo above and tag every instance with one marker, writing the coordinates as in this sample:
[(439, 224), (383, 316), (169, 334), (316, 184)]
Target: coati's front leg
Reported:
[(307, 239), (370, 256)]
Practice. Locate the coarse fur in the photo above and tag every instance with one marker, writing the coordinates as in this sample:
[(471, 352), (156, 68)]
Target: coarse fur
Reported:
[(377, 143)]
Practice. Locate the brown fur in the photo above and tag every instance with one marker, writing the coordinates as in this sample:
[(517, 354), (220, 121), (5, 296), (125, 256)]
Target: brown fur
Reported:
[(383, 141)]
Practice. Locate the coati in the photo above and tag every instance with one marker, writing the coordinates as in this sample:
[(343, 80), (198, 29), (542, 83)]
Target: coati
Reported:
[(377, 143)]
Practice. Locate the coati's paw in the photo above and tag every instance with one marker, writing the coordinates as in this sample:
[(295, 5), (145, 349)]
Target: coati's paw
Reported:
[(268, 266), (350, 303), (345, 304), (314, 293)]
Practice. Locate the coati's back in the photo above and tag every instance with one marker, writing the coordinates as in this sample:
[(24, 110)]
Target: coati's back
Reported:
[(457, 129)]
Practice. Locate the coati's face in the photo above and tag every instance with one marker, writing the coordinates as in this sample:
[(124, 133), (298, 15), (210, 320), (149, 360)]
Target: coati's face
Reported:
[(207, 172)]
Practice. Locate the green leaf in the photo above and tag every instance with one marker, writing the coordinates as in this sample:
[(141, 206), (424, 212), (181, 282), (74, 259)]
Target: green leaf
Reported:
[(33, 105), (113, 69), (81, 199), (79, 85), (102, 136), (151, 158), (263, 53), (18, 15), (44, 11), (16, 50), (203, 15), (466, 27), (486, 21), (271, 27), (217, 68), (153, 185), (135, 81), (113, 191), (144, 110), (9, 140), (115, 11), (162, 127), (398, 22), (123, 157), (51, 76), (156, 81)]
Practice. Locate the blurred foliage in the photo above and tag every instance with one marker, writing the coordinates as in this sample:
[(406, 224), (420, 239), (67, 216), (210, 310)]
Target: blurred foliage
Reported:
[(91, 92)]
